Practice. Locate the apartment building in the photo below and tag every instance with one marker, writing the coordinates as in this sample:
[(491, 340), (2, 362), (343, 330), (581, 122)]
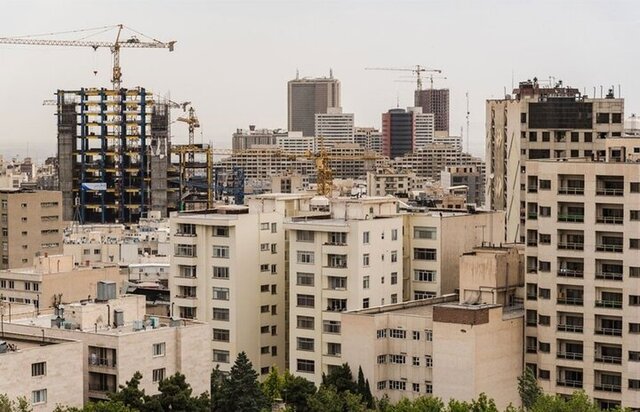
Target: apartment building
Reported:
[(433, 243), (228, 271), (346, 256), (296, 143), (334, 126), (465, 175), (244, 139), (450, 347), (116, 338), (583, 278), (401, 184), (46, 371), (432, 159), (369, 138), (55, 275), (30, 225), (541, 123), (424, 126)]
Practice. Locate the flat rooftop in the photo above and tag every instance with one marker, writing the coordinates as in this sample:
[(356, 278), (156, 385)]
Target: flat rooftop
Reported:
[(412, 307), (19, 341)]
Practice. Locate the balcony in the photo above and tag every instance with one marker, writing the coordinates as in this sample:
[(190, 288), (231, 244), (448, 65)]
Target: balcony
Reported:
[(573, 218), (94, 360), (571, 245), (609, 275), (612, 220), (576, 301), (570, 273), (607, 387), (609, 185), (616, 360), (611, 304), (569, 383), (608, 331), (569, 355), (614, 191), (609, 247), (532, 215), (563, 327), (566, 190)]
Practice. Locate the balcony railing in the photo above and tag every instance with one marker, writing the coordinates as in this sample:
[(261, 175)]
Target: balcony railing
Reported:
[(607, 387), (569, 383), (609, 331), (608, 359), (570, 355), (608, 247), (570, 301), (185, 234), (532, 215), (571, 190), (609, 192), (614, 220), (562, 327), (570, 246), (613, 304), (570, 273), (570, 218), (609, 275), (532, 349), (105, 362), (532, 242)]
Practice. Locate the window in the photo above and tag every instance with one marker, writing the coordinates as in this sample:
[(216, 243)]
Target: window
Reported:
[(331, 326), (365, 282), (544, 266), (305, 322), (221, 252), (305, 257), (544, 320), (304, 236), (220, 293), (428, 387), (365, 303), (634, 215), (424, 233), (264, 309), (394, 298), (382, 385), (544, 347), (264, 267), (381, 333), (181, 250), (274, 227), (220, 272), (39, 369), (337, 238), (544, 184), (365, 238), (274, 248), (394, 234), (415, 360), (634, 243), (634, 327), (544, 211), (394, 278), (307, 301), (634, 384), (304, 279), (634, 356), (424, 254), (264, 247), (221, 356), (274, 351), (159, 349), (544, 239), (399, 359), (397, 333), (159, 374), (382, 359), (39, 396), (588, 137), (334, 349), (274, 269), (399, 385), (416, 335), (575, 137), (428, 333), (602, 117), (274, 309), (365, 260), (221, 335), (264, 329), (264, 226), (423, 275), (305, 365), (221, 231), (634, 300), (264, 350), (189, 271), (221, 314), (634, 271), (634, 187), (428, 361), (544, 374)]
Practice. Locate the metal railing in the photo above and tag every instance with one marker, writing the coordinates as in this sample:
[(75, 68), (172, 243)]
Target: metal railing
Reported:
[(571, 190), (609, 331), (607, 387), (608, 359), (569, 355), (614, 304), (569, 383), (570, 218), (570, 273), (609, 192), (609, 275), (570, 301), (570, 246), (614, 220), (608, 247), (562, 327), (106, 362), (532, 215)]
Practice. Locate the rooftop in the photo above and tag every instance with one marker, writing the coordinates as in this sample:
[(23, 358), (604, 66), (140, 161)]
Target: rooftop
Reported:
[(412, 307)]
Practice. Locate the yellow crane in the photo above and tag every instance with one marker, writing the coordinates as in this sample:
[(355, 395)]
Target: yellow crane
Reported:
[(192, 121), (115, 46), (417, 71)]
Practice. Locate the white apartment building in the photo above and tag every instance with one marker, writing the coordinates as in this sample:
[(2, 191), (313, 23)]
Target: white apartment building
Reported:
[(400, 184), (334, 127), (541, 123), (229, 271), (434, 242), (295, 142), (346, 256), (583, 278), (424, 127), (455, 141), (432, 159), (116, 339), (369, 138)]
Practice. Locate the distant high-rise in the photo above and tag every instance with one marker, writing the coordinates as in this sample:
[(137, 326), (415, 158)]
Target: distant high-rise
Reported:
[(403, 131), (306, 97), (435, 101), (334, 127)]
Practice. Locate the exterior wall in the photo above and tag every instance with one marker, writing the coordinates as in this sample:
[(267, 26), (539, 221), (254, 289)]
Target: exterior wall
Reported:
[(255, 284), (477, 352), (574, 300), (31, 224), (455, 234), (63, 370), (306, 97), (334, 127)]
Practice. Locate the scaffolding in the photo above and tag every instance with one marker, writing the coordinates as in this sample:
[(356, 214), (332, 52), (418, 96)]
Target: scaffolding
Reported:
[(191, 180)]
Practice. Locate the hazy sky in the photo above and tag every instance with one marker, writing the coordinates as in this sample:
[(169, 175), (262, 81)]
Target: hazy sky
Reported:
[(233, 58)]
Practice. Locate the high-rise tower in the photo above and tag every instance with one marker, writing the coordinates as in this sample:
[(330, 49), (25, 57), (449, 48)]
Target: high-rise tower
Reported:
[(307, 97)]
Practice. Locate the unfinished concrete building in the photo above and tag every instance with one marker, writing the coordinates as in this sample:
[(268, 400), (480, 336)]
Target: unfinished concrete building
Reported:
[(113, 148)]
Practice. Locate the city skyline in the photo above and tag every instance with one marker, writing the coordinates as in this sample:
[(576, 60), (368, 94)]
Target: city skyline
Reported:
[(233, 87)]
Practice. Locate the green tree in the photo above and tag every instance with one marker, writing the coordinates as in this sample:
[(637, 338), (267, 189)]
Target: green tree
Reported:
[(130, 394), (528, 388), (241, 391), (176, 394), (19, 405), (341, 379), (327, 399), (110, 406), (296, 392), (272, 385), (217, 379)]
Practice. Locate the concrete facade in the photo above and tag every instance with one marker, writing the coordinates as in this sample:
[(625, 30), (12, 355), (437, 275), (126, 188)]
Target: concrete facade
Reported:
[(334, 127), (435, 101), (308, 96), (30, 225)]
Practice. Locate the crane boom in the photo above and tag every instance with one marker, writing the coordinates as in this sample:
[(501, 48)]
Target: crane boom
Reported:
[(417, 70), (132, 42)]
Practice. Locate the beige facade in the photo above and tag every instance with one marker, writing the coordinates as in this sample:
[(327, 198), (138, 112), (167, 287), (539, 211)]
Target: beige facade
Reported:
[(54, 275), (30, 225), (111, 351), (347, 257), (433, 244), (583, 278), (228, 270), (541, 123)]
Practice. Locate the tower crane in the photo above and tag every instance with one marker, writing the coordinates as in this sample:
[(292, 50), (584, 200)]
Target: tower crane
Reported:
[(115, 46), (192, 121), (417, 71)]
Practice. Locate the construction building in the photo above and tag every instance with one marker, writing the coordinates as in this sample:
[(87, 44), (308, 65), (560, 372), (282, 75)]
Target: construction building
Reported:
[(113, 154), (306, 98), (583, 275), (229, 271), (334, 127), (244, 139), (31, 224), (539, 122), (435, 101)]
